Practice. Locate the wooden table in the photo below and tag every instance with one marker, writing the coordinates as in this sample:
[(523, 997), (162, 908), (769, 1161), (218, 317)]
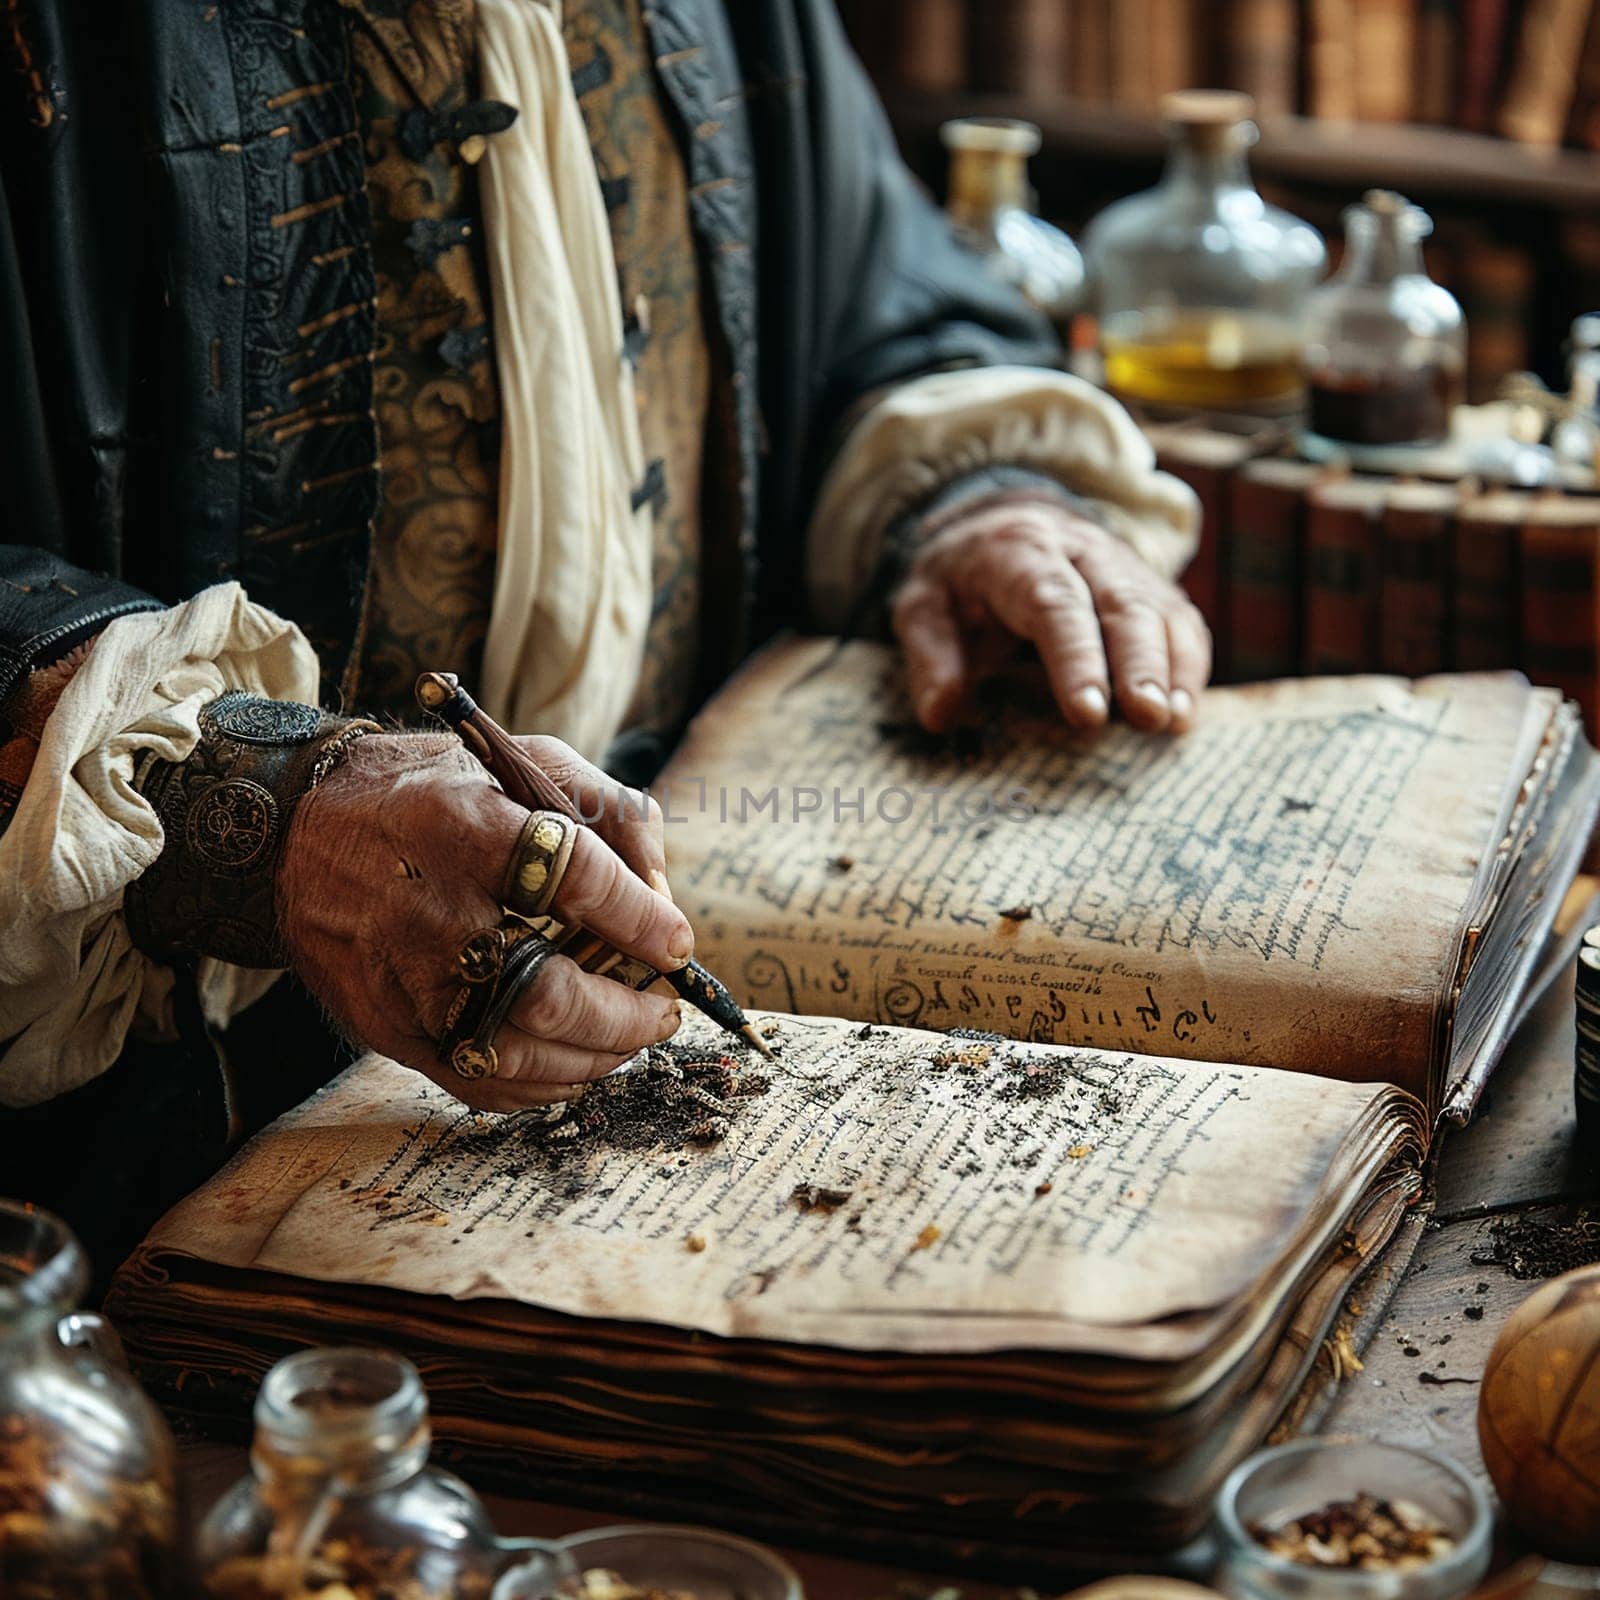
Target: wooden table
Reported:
[(1515, 1159)]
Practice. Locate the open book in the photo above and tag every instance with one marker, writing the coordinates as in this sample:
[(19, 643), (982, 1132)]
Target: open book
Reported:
[(1348, 876), (942, 1294), (915, 1291)]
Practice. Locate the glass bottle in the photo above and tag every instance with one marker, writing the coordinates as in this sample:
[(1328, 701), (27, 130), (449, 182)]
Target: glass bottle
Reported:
[(1199, 283), (1386, 346), (990, 205), (341, 1493), (88, 1476), (1576, 437)]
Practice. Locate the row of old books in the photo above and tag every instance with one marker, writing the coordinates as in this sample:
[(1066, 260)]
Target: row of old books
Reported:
[(1528, 69), (1307, 570)]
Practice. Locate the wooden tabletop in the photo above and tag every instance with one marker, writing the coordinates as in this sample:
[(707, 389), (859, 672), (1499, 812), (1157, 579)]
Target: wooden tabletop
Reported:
[(1419, 1385)]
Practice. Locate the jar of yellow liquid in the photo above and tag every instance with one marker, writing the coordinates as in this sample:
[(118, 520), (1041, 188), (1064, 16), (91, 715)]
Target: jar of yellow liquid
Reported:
[(1199, 283)]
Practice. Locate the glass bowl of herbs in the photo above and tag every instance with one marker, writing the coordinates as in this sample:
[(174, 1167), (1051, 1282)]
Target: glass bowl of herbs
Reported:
[(1351, 1520)]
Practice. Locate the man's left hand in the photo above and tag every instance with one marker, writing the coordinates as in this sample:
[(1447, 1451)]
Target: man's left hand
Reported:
[(1016, 572)]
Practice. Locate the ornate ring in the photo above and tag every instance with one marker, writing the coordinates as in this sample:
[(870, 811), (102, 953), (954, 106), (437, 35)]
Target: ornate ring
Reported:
[(539, 862), (498, 964)]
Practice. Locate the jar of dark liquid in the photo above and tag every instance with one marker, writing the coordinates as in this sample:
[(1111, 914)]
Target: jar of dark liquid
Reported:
[(1385, 346)]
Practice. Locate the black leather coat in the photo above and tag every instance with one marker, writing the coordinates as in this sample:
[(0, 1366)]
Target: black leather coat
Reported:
[(172, 279), (163, 256)]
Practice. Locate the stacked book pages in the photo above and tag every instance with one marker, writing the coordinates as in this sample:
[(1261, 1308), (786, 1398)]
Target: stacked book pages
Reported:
[(1020, 1293)]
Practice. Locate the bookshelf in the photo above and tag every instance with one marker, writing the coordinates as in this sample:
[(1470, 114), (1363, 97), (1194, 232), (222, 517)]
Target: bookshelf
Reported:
[(1428, 163), (1486, 112)]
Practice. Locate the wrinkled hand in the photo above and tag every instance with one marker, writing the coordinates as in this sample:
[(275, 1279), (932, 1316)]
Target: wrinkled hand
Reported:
[(1103, 623), (401, 853)]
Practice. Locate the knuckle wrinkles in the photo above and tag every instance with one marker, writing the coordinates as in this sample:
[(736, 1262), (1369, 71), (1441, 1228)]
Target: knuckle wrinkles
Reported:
[(553, 1000)]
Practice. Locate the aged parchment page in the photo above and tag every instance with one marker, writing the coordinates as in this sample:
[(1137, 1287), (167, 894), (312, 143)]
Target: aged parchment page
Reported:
[(1287, 885), (989, 1196)]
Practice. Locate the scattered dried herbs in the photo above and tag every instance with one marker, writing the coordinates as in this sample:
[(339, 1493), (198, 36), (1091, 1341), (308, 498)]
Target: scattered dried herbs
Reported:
[(817, 1197), (676, 1095), (1538, 1247), (1368, 1533)]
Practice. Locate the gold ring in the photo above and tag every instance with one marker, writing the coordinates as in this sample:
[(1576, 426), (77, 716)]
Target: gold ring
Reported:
[(539, 862)]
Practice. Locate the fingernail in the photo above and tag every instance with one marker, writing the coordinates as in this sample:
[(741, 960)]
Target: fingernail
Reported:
[(1089, 705), (1153, 696), (658, 881), (1182, 706), (681, 945), (672, 1021)]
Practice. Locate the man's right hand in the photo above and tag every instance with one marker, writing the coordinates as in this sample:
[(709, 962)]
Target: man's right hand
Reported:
[(400, 854)]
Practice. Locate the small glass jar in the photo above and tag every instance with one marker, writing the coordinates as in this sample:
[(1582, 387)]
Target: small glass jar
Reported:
[(340, 1493), (661, 1558), (1275, 1486), (88, 1475), (990, 204), (1199, 284), (1386, 346)]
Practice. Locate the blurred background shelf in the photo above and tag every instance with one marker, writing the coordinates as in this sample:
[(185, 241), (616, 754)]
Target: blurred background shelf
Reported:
[(1435, 164), (1486, 112)]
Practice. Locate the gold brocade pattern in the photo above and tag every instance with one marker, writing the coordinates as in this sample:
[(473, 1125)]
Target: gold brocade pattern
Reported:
[(431, 580), (642, 172)]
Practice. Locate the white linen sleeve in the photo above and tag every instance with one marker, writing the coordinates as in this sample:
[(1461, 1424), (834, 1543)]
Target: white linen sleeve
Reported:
[(71, 982), (925, 434)]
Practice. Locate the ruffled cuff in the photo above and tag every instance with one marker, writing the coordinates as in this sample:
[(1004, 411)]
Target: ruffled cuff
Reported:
[(926, 434), (71, 982)]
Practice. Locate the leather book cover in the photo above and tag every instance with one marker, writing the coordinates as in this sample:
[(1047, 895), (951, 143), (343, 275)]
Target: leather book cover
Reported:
[(1543, 83), (1583, 122), (933, 52), (1413, 582), (1206, 461), (1089, 75), (1343, 534), (1262, 565), (1485, 587), (1483, 30), (1330, 59), (1438, 73), (1020, 46), (1262, 52), (1385, 51), (1561, 601)]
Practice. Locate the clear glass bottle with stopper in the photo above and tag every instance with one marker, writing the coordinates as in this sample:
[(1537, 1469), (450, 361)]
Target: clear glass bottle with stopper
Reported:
[(990, 204), (1386, 346), (341, 1499), (1199, 284)]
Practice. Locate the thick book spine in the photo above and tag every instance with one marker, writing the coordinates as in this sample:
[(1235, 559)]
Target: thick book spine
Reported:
[(1543, 80), (1561, 610), (1020, 46), (1330, 60), (932, 50), (1342, 544), (1438, 56), (1413, 602), (1385, 50), (1262, 40), (1089, 51), (1204, 576), (1583, 122), (1263, 567), (1483, 30), (1485, 599)]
